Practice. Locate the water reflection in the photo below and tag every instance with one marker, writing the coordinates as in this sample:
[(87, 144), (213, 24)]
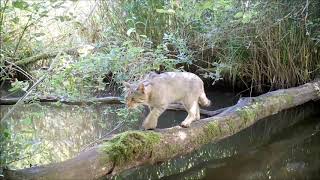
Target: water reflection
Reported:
[(291, 154), (42, 134)]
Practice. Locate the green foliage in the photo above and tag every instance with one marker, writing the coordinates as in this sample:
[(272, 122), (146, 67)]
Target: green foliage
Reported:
[(129, 117), (18, 19), (21, 145), (19, 86), (151, 18), (127, 62)]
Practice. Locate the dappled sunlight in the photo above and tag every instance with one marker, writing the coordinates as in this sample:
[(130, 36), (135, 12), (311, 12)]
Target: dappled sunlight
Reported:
[(182, 135)]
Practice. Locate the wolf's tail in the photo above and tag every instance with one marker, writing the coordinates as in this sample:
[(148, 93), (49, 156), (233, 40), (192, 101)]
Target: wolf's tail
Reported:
[(203, 100)]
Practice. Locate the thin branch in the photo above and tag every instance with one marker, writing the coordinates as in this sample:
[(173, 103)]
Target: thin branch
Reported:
[(1, 23), (23, 32), (32, 88), (19, 69), (103, 137)]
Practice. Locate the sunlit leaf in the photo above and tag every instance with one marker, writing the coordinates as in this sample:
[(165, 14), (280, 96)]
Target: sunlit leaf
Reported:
[(27, 121), (20, 4), (131, 30), (238, 15), (143, 36), (165, 11)]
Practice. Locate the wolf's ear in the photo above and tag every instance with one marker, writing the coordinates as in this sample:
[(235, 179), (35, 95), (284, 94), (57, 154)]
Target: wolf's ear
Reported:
[(126, 85), (141, 88)]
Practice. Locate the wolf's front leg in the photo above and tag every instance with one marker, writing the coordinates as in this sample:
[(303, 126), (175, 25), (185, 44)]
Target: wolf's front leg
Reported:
[(193, 113), (151, 120)]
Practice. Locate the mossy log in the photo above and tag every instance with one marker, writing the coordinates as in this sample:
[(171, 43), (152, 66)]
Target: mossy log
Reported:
[(131, 149)]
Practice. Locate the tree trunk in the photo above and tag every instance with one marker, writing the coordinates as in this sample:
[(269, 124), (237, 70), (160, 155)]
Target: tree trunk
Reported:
[(106, 100), (48, 55), (135, 148)]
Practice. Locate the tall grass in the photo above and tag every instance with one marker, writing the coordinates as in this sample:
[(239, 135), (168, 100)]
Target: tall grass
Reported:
[(275, 50), (139, 19), (260, 44)]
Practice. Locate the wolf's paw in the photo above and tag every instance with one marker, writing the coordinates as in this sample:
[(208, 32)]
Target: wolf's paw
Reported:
[(185, 124)]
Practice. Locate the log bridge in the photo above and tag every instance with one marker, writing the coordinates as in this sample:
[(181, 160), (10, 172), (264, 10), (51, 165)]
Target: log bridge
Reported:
[(131, 149)]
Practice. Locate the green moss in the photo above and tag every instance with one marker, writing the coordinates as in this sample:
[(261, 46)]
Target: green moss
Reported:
[(209, 132), (170, 149), (212, 129), (249, 113), (289, 98), (130, 145), (231, 125)]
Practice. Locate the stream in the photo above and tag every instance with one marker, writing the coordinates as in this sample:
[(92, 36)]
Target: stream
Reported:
[(283, 146)]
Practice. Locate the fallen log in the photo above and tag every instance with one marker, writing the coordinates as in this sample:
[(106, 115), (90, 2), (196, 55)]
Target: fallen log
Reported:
[(135, 148), (102, 100), (106, 100), (47, 55)]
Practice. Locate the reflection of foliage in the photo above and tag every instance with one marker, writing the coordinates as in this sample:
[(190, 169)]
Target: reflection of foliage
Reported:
[(20, 145), (129, 117), (43, 134)]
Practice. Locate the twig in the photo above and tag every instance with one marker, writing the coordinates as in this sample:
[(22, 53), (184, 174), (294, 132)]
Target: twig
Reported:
[(19, 69), (22, 34), (32, 88), (91, 11), (103, 137), (1, 21)]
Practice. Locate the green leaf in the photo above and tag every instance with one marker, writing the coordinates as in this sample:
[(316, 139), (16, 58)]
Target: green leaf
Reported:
[(20, 4), (63, 18), (27, 121), (164, 11), (39, 34), (238, 15), (6, 133), (16, 20), (131, 30), (143, 36)]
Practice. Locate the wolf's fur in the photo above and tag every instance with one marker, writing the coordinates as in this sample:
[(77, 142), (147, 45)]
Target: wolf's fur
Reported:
[(157, 91)]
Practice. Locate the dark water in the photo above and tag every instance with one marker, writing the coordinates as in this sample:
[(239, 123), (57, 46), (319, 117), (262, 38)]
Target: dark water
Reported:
[(284, 146), (289, 153)]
